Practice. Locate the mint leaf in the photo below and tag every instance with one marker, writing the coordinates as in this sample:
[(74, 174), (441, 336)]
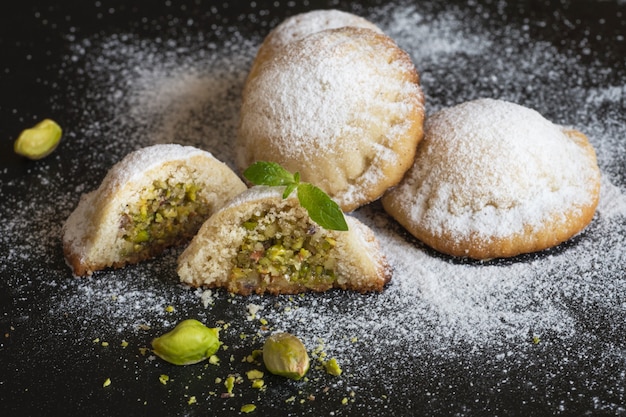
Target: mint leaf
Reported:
[(289, 189), (269, 173), (322, 209)]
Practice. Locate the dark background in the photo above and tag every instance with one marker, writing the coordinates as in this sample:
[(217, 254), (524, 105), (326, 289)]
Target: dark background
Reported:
[(62, 376)]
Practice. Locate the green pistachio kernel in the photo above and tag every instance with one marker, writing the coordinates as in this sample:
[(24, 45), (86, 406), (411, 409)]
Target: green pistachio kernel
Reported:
[(332, 367), (166, 213), (229, 384), (189, 342), (272, 252), (38, 141), (285, 355)]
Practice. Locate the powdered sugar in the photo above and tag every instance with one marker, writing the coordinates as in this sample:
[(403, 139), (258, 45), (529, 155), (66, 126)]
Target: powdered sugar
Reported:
[(338, 74), (515, 326), (612, 201), (136, 163), (299, 26)]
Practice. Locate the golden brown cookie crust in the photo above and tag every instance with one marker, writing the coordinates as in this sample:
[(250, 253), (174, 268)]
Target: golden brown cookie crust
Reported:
[(526, 194)]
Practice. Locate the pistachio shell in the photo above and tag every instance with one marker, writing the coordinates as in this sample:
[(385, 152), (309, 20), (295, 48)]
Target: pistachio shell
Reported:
[(189, 342), (38, 141)]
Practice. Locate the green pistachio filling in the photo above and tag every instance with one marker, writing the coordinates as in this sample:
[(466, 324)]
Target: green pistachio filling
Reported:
[(165, 214), (276, 252)]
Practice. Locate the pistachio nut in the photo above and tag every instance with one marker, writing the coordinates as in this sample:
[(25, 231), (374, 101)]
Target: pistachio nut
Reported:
[(332, 367), (189, 342), (285, 355), (38, 141)]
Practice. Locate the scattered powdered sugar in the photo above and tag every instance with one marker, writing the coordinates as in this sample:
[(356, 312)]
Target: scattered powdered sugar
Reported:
[(150, 93), (612, 201), (437, 314), (428, 40)]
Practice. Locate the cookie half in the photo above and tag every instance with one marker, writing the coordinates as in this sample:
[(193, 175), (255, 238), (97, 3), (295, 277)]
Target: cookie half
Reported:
[(495, 179), (262, 243), (154, 198), (341, 106)]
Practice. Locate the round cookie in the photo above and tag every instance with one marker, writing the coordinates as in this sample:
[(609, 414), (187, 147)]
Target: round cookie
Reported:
[(342, 106), (301, 25), (495, 179)]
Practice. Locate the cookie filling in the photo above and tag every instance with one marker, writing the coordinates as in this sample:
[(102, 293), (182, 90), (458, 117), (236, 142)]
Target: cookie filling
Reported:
[(283, 252), (166, 213)]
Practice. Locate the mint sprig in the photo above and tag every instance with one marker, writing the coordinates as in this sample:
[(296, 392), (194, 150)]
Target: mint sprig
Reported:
[(321, 208)]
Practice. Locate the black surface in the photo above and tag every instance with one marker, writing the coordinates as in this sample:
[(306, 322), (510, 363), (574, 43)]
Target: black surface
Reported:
[(50, 364)]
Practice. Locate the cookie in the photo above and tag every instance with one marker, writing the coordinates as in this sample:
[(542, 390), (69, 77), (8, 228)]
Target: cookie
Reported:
[(154, 198), (495, 179), (341, 106), (262, 243)]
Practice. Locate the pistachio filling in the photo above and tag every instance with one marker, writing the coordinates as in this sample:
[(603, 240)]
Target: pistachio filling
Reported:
[(165, 214), (277, 252)]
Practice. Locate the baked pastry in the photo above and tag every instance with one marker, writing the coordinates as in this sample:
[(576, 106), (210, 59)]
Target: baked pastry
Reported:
[(301, 25), (495, 179), (154, 198), (341, 106), (262, 243)]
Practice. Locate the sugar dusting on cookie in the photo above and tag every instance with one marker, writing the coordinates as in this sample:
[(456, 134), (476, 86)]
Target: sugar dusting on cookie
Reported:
[(303, 24), (494, 168), (489, 321), (344, 107)]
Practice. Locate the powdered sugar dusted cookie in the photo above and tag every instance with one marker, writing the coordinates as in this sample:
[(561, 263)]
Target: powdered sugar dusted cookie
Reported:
[(495, 179), (260, 242), (342, 106), (301, 25), (154, 198)]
